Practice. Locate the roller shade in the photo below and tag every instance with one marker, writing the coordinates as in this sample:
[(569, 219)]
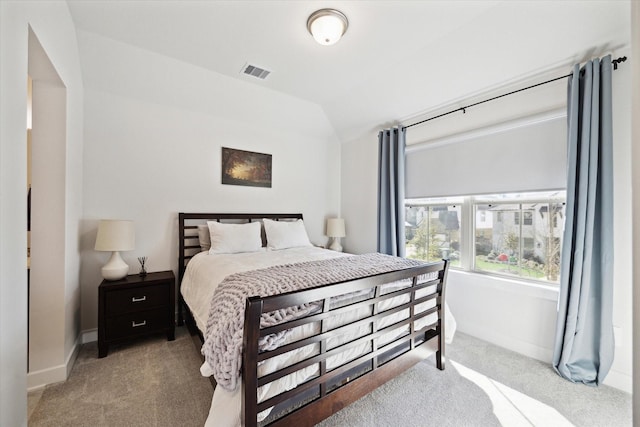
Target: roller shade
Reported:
[(525, 158)]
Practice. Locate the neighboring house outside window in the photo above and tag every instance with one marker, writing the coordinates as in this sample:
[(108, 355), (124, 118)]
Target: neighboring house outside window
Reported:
[(515, 235)]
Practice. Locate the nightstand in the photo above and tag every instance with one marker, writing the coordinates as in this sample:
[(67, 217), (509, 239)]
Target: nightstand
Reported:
[(135, 306)]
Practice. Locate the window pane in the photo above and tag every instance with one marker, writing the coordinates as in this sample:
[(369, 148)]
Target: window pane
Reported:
[(548, 221), (433, 232), (497, 243), (519, 239)]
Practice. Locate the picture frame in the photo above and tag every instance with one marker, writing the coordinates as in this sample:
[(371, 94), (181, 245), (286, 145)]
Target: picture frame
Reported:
[(246, 168)]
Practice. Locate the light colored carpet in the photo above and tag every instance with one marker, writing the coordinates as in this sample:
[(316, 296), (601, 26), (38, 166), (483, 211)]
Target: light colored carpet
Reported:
[(149, 382), (154, 382), (485, 385)]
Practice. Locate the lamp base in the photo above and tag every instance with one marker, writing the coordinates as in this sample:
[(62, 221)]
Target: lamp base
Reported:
[(335, 245), (115, 268)]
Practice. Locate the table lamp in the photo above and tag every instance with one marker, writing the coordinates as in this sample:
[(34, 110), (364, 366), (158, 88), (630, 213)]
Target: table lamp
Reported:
[(335, 230), (115, 236)]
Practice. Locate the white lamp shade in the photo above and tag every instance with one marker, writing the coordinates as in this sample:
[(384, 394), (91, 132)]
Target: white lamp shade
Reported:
[(115, 235), (335, 227), (327, 26)]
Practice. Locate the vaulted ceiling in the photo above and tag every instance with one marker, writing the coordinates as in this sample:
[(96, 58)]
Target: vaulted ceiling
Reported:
[(397, 60)]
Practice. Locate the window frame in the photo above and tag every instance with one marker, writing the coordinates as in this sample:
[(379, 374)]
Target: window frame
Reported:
[(468, 224)]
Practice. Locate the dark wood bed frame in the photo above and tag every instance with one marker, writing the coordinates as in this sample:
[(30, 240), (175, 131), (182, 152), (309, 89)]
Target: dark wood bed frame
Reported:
[(332, 390)]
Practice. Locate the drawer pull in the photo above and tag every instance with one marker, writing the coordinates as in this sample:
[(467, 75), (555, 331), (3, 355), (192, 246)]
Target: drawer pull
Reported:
[(134, 299), (135, 325)]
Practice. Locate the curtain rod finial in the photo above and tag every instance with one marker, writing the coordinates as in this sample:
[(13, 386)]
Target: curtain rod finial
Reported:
[(617, 61)]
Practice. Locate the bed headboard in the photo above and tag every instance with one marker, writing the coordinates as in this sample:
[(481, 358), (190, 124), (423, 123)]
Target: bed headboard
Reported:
[(188, 244)]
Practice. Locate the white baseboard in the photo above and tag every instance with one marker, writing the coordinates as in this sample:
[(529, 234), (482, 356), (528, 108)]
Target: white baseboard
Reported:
[(54, 374), (510, 343), (614, 379), (619, 380), (43, 377), (90, 335)]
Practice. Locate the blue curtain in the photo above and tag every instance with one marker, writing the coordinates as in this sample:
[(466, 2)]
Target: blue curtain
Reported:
[(391, 159), (584, 343)]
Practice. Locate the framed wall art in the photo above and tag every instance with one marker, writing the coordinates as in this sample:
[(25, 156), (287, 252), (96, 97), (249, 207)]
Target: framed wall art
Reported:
[(246, 168)]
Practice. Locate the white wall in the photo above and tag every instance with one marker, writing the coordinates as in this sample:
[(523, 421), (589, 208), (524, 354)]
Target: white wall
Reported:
[(635, 184), (359, 170), (46, 320), (154, 130), (52, 24), (621, 370), (520, 318)]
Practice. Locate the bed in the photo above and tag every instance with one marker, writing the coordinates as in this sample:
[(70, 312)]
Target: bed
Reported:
[(305, 353)]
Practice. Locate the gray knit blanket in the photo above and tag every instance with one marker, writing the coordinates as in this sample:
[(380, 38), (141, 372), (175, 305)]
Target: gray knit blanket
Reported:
[(222, 348)]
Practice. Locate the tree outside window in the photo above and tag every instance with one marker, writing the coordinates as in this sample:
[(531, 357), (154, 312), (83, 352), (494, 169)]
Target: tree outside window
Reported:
[(516, 235), (433, 233)]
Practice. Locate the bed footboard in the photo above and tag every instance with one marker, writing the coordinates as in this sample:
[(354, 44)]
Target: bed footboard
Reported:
[(397, 337)]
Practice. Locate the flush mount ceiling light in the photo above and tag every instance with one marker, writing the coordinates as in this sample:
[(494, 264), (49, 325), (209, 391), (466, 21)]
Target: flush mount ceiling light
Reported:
[(327, 25)]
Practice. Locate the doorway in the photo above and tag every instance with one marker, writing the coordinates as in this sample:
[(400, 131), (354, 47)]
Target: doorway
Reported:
[(46, 170)]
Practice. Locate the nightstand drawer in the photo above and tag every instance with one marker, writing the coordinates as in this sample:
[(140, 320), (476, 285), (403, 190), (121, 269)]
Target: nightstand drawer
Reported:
[(136, 299), (128, 325)]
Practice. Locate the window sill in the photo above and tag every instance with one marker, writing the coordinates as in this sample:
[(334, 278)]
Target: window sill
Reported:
[(504, 284)]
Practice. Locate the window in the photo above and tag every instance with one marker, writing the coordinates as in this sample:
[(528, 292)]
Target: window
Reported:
[(529, 248), (515, 235), (527, 217), (433, 231)]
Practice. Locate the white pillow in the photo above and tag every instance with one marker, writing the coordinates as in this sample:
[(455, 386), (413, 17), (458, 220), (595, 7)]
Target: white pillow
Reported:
[(234, 238), (285, 234), (204, 237)]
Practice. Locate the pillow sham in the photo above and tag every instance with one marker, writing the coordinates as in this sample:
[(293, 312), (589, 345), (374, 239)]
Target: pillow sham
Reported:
[(204, 237), (285, 234), (234, 238)]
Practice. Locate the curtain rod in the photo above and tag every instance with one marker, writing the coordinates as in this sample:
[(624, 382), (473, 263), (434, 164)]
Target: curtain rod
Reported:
[(615, 63)]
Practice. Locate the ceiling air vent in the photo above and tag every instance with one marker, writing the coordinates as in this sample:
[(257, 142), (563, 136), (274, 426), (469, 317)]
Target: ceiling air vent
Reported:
[(254, 71)]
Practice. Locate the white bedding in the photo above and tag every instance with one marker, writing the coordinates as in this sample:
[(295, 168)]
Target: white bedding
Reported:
[(201, 278)]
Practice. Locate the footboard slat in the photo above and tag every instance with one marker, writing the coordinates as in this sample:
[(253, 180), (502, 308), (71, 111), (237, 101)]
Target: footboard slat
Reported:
[(250, 367)]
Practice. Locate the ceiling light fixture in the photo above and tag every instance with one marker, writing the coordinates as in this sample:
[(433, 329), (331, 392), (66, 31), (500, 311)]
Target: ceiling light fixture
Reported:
[(327, 25)]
